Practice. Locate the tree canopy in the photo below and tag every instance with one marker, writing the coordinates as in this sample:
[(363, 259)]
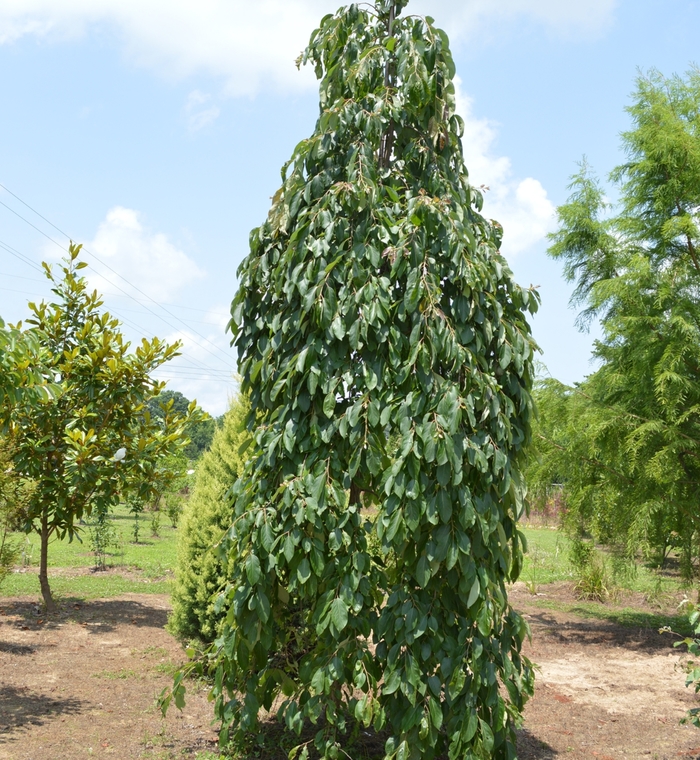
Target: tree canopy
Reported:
[(626, 442), (388, 359)]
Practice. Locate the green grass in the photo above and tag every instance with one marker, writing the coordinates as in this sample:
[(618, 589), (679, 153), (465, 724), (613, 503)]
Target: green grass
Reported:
[(547, 561), (96, 586), (547, 558), (123, 673), (626, 617), (146, 567)]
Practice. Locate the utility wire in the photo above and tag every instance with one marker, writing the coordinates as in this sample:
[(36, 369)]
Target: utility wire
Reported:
[(224, 374), (133, 325), (107, 293), (14, 252), (48, 237)]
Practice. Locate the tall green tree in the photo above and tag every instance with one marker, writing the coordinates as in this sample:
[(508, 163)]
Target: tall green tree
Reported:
[(388, 359), (633, 427), (84, 444), (200, 432)]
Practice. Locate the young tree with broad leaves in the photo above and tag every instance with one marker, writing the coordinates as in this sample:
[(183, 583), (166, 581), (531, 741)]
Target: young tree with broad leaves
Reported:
[(89, 439), (388, 359), (23, 371), (626, 441)]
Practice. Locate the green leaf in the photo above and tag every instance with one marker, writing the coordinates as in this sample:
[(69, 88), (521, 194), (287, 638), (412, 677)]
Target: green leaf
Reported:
[(289, 547), (329, 404), (391, 683), (339, 614), (487, 737), (252, 569), (267, 537), (304, 571), (423, 571), (474, 593), (469, 727), (435, 686), (435, 713)]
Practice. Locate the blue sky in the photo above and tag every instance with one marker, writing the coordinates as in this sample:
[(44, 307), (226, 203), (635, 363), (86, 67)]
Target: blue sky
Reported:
[(154, 132)]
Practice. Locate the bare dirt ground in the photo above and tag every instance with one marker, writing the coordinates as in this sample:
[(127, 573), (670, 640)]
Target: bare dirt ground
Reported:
[(83, 684), (603, 690)]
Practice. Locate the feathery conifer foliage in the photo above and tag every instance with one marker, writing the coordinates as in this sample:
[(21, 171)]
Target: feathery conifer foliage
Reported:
[(627, 440), (388, 359), (201, 574)]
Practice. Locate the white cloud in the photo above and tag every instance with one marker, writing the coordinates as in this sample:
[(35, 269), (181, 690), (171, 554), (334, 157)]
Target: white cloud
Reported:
[(197, 116), (149, 261), (206, 369), (465, 19), (521, 206), (251, 44)]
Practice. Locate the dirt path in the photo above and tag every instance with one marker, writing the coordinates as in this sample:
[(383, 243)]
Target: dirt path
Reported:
[(603, 690), (84, 685)]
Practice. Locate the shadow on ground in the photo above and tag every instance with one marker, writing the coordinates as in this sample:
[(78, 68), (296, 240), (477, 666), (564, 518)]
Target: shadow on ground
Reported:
[(20, 708), (100, 616), (10, 647), (532, 748), (638, 632)]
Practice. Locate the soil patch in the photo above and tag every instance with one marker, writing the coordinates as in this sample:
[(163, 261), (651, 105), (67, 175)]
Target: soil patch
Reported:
[(604, 690), (83, 684)]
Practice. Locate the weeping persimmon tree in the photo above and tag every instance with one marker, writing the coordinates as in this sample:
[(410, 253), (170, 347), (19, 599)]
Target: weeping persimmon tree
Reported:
[(386, 351)]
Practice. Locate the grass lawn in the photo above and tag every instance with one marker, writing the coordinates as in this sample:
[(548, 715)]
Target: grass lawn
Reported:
[(547, 561), (146, 567)]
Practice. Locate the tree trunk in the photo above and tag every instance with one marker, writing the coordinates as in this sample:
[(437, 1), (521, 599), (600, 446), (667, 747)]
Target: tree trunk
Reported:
[(43, 563)]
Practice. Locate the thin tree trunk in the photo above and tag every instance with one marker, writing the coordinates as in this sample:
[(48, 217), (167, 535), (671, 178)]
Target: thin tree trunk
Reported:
[(43, 562)]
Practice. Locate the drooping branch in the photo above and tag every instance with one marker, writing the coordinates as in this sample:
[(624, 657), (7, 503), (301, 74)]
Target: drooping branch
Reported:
[(389, 136)]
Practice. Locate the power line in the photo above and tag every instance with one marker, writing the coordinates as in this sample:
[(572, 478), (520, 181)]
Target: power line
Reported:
[(14, 252), (19, 277), (107, 293), (197, 321), (185, 368), (133, 325), (167, 311), (158, 316)]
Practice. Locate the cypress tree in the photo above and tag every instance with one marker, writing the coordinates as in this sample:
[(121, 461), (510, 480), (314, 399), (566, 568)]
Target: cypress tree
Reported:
[(206, 517)]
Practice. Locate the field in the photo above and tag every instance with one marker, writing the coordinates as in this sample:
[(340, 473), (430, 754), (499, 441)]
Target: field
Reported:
[(84, 683)]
